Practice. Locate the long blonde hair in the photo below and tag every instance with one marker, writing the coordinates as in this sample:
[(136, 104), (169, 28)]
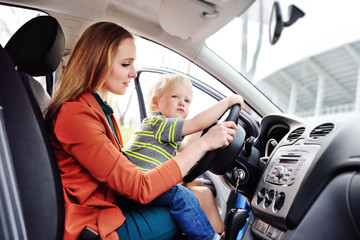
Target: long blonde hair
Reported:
[(89, 65), (160, 85)]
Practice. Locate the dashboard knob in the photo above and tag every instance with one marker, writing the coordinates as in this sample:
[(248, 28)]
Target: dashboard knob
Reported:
[(269, 198), (279, 201), (260, 196), (280, 172)]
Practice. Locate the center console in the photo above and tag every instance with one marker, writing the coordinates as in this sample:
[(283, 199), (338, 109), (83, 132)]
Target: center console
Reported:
[(278, 187)]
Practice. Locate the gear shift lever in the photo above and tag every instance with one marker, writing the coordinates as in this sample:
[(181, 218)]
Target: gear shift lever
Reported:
[(236, 218)]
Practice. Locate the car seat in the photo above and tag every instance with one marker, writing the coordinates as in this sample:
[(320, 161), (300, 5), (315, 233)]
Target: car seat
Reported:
[(35, 49)]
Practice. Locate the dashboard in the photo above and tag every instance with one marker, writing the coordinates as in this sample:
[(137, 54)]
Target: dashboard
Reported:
[(310, 185)]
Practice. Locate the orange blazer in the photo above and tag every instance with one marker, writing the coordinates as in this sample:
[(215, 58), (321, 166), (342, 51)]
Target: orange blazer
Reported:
[(93, 169)]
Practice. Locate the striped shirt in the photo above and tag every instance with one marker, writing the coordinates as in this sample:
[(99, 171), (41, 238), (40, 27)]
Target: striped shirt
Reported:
[(154, 141)]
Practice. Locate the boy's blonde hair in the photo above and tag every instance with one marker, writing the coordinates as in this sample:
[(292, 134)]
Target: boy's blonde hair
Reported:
[(162, 83)]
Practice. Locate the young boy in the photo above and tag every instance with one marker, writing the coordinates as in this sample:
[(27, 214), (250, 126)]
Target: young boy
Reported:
[(159, 136)]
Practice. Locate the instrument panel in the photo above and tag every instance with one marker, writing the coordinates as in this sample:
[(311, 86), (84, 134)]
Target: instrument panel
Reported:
[(305, 159)]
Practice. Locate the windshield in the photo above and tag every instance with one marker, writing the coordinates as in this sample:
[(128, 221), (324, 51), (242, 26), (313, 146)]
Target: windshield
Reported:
[(313, 69)]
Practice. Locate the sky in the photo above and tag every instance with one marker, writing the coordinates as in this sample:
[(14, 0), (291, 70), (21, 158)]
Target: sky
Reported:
[(326, 24)]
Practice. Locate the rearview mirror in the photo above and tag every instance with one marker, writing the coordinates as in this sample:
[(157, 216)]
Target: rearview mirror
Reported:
[(277, 24)]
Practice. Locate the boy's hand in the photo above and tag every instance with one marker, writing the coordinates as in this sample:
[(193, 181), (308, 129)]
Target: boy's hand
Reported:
[(236, 99)]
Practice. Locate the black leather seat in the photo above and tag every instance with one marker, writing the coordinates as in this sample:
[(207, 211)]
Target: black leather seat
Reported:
[(35, 49)]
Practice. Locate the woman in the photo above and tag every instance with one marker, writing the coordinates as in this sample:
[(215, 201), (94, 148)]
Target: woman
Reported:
[(87, 144)]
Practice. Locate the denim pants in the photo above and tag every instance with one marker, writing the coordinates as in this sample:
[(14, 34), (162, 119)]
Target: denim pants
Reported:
[(185, 209), (153, 221)]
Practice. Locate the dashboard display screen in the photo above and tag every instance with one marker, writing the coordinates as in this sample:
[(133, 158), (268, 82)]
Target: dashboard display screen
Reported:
[(290, 161)]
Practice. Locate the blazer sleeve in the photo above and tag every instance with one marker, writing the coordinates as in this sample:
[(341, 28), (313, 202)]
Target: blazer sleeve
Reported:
[(82, 133)]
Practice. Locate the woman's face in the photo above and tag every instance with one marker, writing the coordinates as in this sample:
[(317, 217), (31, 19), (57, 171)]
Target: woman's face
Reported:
[(123, 69)]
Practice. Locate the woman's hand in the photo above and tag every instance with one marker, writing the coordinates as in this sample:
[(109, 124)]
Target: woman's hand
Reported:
[(221, 135)]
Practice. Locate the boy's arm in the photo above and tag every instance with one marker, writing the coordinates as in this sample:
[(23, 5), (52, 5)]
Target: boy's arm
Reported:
[(209, 116)]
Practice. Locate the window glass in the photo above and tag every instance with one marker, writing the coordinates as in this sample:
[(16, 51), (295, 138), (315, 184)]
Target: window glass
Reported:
[(150, 54), (127, 112), (313, 70), (197, 103)]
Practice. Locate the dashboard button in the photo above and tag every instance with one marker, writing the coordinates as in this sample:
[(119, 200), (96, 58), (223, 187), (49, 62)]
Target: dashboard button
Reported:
[(263, 227), (270, 231), (277, 234)]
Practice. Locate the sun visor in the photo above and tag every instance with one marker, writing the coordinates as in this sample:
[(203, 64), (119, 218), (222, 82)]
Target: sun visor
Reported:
[(182, 18)]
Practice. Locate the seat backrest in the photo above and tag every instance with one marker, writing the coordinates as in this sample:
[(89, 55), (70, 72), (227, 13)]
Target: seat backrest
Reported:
[(37, 175), (36, 49)]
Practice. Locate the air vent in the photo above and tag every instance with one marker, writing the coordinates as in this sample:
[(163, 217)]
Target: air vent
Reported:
[(321, 131), (296, 134)]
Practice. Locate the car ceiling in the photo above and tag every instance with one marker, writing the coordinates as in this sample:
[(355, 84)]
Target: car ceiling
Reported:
[(179, 24), (158, 21)]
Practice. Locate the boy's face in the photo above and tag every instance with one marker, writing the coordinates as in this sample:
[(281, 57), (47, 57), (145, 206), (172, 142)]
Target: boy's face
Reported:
[(175, 101)]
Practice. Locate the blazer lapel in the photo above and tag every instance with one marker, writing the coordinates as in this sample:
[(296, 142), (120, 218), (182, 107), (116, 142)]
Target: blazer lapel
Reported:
[(91, 101)]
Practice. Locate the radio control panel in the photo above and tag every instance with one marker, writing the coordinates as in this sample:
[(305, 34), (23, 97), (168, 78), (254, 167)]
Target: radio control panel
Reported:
[(284, 169), (281, 181)]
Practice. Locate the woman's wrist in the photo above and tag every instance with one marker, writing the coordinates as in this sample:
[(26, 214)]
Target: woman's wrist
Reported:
[(190, 155), (203, 145)]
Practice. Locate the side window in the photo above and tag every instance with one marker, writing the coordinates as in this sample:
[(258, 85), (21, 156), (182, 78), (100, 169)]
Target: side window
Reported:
[(147, 79), (127, 111)]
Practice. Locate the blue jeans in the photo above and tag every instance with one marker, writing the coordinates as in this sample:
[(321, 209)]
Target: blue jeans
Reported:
[(184, 209)]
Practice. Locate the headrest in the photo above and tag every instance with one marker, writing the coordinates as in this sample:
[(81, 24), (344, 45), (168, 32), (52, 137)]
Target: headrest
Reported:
[(38, 46)]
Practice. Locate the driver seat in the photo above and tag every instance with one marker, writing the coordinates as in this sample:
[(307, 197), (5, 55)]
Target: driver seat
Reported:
[(35, 49)]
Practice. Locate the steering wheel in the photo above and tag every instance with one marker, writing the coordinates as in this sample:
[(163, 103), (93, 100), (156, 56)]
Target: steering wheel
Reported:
[(219, 160)]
